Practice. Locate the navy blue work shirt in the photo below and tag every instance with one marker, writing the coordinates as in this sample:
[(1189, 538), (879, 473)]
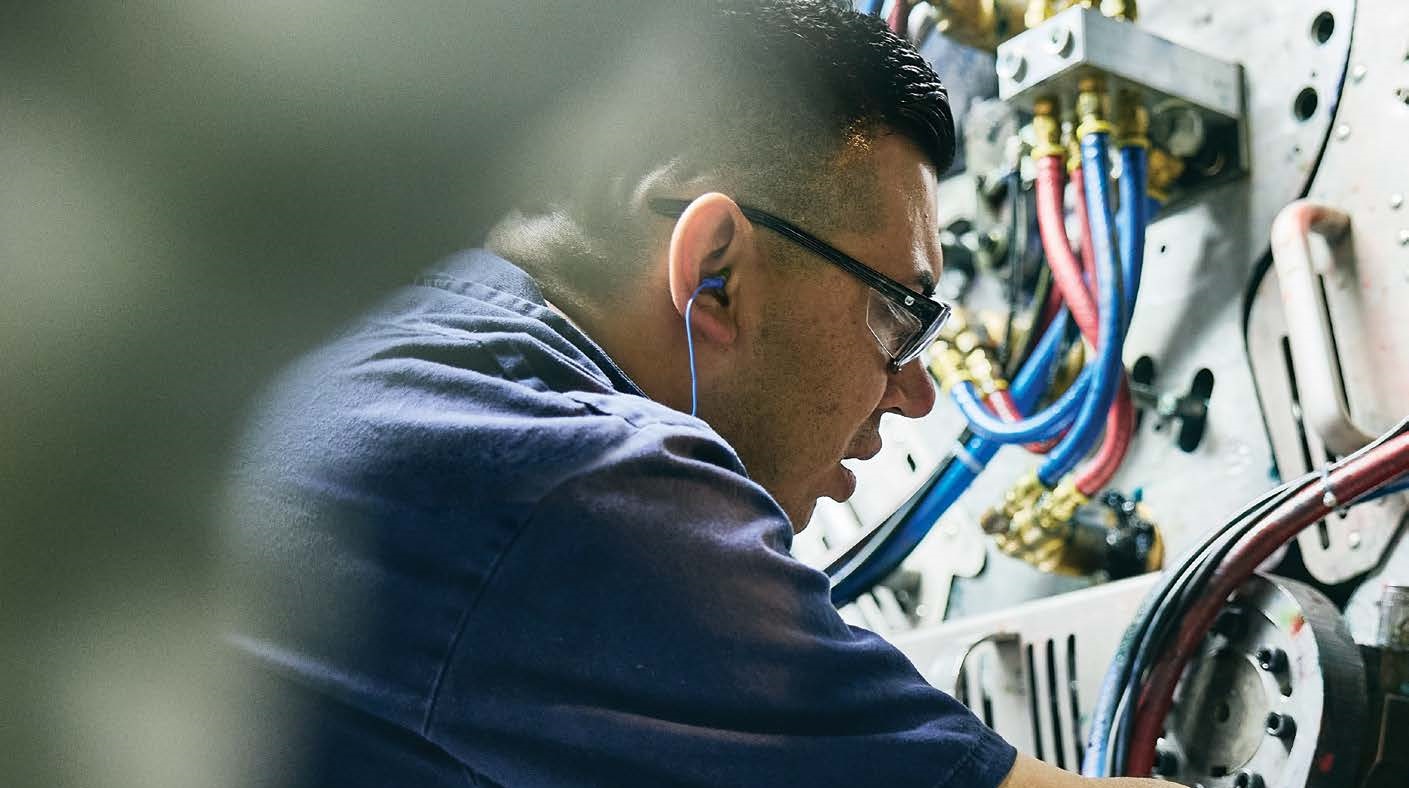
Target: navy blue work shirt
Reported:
[(479, 555)]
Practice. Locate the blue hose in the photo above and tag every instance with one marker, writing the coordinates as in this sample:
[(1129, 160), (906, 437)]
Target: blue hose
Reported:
[(1040, 427), (1131, 221), (1087, 427), (1028, 386)]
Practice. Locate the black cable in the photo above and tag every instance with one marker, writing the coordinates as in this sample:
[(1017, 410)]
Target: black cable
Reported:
[(1017, 255)]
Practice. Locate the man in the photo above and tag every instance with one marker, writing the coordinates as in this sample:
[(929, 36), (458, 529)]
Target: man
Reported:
[(485, 543)]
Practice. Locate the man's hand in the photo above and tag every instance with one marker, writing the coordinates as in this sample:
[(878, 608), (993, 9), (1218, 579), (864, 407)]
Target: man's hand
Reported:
[(1028, 772)]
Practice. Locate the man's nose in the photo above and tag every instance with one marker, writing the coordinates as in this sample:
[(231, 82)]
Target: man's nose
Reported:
[(910, 391)]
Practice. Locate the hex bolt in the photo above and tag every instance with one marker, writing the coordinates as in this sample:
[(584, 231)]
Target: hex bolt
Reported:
[(1247, 779), (1281, 725), (1271, 659), (1166, 763)]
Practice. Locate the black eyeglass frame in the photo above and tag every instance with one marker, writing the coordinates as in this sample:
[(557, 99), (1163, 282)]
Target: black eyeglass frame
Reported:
[(930, 313)]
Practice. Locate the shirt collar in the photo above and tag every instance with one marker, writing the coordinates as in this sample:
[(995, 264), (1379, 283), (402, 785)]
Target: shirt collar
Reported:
[(484, 269)]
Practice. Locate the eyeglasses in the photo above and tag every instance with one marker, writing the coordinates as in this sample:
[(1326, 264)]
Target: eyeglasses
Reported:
[(903, 321)]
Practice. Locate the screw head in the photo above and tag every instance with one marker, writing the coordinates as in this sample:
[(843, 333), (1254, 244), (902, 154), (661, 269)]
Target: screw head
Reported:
[(1281, 725), (1358, 73), (1060, 40), (1396, 200), (1404, 237), (1012, 65), (1342, 132), (1271, 659)]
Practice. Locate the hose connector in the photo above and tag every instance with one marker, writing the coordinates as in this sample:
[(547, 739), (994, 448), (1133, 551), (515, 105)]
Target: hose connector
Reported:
[(1093, 107), (1162, 171), (1056, 510), (1132, 121), (947, 365), (1022, 497), (985, 372), (1046, 129)]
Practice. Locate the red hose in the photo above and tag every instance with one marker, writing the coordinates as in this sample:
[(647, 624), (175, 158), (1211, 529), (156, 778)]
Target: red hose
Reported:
[(1358, 476), (1120, 427), (1066, 269), (899, 15), (1088, 253)]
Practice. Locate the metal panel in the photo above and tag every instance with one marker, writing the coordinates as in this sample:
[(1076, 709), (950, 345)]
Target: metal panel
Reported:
[(1365, 173)]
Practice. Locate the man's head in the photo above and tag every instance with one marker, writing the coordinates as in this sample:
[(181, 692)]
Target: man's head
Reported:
[(802, 110)]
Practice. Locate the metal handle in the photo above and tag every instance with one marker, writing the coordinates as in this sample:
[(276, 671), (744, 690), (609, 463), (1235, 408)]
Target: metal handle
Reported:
[(1299, 261)]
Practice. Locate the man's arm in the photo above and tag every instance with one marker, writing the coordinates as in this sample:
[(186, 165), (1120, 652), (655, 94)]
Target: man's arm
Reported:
[(1028, 772)]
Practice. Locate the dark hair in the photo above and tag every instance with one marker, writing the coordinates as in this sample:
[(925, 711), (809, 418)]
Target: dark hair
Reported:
[(763, 99)]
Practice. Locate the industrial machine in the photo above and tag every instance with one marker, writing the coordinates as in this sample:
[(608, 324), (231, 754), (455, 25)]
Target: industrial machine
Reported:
[(1156, 523)]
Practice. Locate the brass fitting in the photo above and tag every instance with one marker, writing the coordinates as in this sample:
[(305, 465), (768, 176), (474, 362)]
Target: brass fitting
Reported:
[(983, 24), (1163, 170), (947, 365), (1055, 510), (1119, 9), (1132, 120), (1039, 11), (1022, 497), (1073, 146), (985, 373), (1046, 130), (1093, 107)]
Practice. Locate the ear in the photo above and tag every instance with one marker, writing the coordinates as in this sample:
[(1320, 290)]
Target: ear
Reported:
[(711, 238)]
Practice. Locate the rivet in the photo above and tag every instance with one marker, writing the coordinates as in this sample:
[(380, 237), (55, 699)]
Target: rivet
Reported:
[(1396, 200), (1353, 539), (1342, 132), (1404, 237), (1358, 73)]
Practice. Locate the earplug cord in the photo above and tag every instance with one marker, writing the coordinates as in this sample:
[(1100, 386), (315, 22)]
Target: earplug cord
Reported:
[(708, 283)]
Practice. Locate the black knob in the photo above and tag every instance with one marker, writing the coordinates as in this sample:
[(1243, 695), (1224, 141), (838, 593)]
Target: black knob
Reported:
[(1166, 763)]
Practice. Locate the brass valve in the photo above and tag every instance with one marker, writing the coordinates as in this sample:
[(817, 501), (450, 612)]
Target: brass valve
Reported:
[(1022, 497), (947, 365), (985, 372), (1039, 11)]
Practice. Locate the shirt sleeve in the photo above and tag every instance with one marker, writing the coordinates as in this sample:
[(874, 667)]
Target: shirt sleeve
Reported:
[(649, 627)]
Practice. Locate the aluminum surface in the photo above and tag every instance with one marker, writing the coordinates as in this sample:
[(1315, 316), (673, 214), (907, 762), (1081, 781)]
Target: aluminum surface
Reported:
[(1364, 174), (1054, 56)]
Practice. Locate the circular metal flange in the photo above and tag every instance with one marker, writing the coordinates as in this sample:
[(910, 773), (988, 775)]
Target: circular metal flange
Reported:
[(1279, 699)]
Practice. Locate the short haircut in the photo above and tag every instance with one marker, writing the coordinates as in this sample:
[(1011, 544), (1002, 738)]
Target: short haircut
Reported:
[(770, 101)]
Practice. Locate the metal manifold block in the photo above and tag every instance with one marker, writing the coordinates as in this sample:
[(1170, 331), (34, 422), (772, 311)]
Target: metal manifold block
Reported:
[(1196, 101)]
